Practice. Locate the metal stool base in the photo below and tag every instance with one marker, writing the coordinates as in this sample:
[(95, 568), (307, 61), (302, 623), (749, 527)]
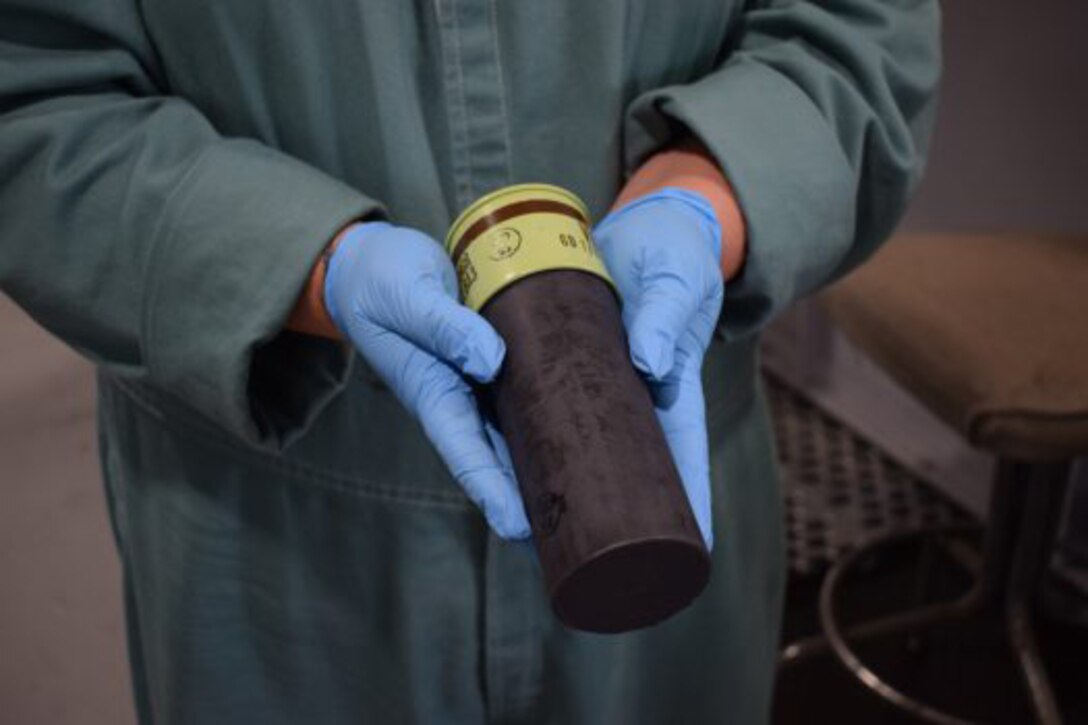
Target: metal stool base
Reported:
[(904, 623), (1024, 508)]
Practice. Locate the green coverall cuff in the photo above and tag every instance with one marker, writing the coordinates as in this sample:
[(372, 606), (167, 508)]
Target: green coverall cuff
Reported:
[(784, 161), (232, 250)]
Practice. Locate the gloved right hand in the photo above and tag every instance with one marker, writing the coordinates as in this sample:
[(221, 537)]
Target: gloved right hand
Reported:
[(393, 292), (664, 252)]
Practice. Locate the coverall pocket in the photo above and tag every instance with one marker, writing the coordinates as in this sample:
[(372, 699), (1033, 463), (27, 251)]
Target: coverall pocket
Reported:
[(362, 444)]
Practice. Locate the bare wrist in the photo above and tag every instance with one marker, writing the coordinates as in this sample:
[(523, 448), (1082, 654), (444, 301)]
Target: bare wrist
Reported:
[(309, 315), (690, 166)]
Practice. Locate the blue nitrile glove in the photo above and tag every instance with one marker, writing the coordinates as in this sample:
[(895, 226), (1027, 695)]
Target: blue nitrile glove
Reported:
[(393, 293), (664, 252)]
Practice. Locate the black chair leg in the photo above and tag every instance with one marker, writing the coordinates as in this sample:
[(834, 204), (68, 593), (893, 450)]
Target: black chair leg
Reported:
[(1045, 486)]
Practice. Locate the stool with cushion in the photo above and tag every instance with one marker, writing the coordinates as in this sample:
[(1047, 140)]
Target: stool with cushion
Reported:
[(990, 332)]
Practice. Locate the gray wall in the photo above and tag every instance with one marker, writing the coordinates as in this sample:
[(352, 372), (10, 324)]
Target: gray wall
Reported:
[(1011, 147)]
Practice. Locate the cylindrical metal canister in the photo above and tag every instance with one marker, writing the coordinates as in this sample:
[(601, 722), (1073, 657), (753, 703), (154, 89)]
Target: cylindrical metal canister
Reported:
[(618, 544)]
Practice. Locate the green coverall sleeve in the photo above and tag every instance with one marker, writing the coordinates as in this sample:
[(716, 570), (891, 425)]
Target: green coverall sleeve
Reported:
[(146, 240), (820, 115)]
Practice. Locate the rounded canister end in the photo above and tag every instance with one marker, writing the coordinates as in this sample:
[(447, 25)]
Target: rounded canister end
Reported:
[(517, 231), (632, 585)]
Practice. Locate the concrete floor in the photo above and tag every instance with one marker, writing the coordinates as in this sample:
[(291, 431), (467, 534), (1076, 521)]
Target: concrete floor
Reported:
[(62, 658)]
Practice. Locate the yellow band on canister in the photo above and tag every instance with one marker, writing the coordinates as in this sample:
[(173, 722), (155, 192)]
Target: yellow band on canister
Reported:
[(517, 231)]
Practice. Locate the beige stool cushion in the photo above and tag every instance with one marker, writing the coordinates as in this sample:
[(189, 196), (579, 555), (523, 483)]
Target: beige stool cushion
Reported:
[(989, 331)]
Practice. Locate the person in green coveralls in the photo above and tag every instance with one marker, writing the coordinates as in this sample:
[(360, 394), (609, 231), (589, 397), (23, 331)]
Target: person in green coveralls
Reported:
[(232, 208)]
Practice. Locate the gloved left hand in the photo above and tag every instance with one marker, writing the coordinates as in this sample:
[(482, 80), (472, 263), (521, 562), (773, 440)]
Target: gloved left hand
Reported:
[(393, 292), (664, 252)]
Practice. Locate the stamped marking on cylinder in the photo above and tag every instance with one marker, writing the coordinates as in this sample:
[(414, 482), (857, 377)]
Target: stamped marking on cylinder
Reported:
[(505, 244), (550, 507), (466, 274)]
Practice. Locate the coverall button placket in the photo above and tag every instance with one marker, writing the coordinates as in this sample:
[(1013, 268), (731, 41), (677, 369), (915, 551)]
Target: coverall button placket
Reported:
[(475, 97), (480, 143)]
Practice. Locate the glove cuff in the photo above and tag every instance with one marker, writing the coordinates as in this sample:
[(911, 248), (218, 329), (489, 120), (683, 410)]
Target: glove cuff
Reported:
[(693, 201), (334, 256)]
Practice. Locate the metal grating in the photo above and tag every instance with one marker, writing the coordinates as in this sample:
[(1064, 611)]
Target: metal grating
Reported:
[(840, 488)]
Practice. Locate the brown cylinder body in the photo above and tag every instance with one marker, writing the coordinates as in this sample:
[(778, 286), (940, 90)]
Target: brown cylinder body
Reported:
[(618, 543)]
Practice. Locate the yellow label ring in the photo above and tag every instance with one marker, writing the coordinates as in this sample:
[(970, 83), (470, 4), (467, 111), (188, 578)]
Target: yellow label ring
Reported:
[(518, 231)]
